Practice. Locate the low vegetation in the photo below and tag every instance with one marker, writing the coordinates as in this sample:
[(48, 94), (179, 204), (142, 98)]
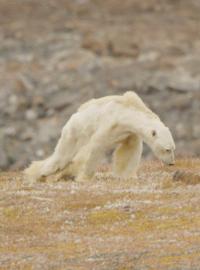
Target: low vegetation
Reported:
[(152, 222)]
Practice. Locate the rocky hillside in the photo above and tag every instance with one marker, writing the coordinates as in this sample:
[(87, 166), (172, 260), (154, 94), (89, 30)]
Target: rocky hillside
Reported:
[(152, 222), (55, 55)]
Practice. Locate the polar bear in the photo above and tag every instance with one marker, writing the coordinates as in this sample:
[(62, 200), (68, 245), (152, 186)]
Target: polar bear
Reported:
[(115, 122)]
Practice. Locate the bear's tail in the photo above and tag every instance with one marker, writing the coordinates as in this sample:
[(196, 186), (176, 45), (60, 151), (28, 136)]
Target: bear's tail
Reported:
[(34, 171), (38, 169)]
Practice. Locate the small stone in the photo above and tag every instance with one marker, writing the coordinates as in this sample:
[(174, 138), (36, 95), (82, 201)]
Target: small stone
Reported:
[(13, 100), (31, 114), (40, 153), (50, 112), (24, 83), (27, 135), (186, 177), (148, 56), (178, 175), (10, 131)]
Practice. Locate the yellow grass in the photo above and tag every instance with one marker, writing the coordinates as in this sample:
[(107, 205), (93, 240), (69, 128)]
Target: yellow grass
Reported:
[(121, 224)]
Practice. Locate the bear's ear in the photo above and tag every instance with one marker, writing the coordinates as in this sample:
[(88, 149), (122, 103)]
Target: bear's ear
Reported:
[(153, 133)]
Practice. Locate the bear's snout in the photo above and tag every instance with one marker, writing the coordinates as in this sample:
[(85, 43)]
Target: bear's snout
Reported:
[(171, 164)]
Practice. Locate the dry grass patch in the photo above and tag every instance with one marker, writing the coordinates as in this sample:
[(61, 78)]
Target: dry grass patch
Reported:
[(112, 223), (110, 216)]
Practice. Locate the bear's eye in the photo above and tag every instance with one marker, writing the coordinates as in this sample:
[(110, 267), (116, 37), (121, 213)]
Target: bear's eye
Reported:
[(153, 133)]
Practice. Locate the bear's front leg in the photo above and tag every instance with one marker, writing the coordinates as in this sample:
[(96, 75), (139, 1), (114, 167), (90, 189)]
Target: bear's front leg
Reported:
[(127, 157)]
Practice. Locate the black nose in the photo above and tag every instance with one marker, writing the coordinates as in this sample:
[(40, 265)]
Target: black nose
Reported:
[(171, 164)]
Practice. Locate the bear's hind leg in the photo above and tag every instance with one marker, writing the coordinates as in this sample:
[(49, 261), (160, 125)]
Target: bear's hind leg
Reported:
[(64, 152), (86, 168), (91, 155)]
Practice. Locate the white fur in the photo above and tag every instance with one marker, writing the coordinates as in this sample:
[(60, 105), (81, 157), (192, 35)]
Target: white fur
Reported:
[(120, 122), (127, 156)]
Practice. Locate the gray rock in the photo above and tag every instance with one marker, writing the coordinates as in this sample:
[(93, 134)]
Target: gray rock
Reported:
[(86, 50)]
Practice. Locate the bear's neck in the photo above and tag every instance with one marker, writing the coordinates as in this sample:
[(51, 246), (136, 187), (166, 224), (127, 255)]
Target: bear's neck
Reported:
[(141, 123)]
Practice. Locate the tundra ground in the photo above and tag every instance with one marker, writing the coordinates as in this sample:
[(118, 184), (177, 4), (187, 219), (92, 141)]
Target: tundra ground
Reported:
[(152, 222)]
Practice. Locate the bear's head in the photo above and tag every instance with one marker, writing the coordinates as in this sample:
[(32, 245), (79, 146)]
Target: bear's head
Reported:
[(160, 140)]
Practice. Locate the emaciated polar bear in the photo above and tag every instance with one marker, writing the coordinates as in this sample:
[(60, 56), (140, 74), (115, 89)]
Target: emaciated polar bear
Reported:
[(113, 122)]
